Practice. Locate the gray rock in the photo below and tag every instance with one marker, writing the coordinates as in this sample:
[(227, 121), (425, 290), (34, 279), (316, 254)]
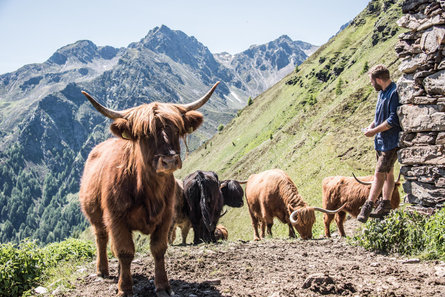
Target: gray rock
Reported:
[(410, 139), (41, 290), (411, 64), (440, 139), (317, 279), (424, 194), (424, 100), (423, 170), (409, 21), (405, 88), (432, 39), (411, 261), (432, 21), (434, 154), (435, 84), (410, 36), (421, 118), (412, 5)]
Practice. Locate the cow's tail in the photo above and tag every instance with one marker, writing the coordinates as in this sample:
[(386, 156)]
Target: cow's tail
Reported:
[(203, 203)]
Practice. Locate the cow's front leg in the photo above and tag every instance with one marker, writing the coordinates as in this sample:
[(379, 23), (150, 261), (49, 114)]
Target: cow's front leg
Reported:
[(158, 246), (123, 249)]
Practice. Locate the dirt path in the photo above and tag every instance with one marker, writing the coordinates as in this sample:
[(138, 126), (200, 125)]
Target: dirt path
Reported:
[(275, 267)]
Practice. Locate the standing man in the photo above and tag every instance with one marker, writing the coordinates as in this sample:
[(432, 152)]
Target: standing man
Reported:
[(385, 128)]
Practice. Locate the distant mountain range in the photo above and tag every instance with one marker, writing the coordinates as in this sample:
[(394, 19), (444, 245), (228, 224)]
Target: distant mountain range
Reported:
[(48, 127)]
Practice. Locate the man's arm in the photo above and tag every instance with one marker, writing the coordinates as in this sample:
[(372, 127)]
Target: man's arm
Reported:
[(380, 128)]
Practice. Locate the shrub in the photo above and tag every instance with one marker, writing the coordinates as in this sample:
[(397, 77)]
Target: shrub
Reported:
[(20, 266), (249, 101), (220, 127), (70, 249), (435, 235), (338, 88), (408, 233), (365, 68), (23, 266)]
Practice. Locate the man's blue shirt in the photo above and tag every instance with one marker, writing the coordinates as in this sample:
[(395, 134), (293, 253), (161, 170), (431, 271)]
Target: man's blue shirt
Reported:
[(386, 110)]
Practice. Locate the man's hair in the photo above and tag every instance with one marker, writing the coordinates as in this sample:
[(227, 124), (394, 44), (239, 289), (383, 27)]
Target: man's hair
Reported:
[(379, 71)]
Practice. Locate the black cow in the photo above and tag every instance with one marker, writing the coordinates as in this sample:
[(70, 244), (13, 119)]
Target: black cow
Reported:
[(232, 193), (205, 197)]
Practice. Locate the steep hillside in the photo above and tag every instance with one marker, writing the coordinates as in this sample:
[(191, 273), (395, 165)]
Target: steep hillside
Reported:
[(309, 124)]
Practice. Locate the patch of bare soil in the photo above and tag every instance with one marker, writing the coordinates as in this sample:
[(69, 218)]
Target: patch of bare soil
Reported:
[(275, 267)]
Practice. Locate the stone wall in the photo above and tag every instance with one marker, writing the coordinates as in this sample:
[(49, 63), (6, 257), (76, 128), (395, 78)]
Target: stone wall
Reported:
[(422, 95)]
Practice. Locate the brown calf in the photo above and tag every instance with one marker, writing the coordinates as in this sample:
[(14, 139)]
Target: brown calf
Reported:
[(221, 233)]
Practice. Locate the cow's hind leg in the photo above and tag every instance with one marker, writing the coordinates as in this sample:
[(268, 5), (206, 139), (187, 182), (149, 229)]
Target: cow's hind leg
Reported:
[(123, 249), (184, 232), (256, 235), (327, 218), (101, 249), (340, 219), (172, 233), (268, 221), (263, 228)]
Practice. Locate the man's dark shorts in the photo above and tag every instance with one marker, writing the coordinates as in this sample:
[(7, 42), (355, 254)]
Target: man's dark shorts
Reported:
[(386, 160)]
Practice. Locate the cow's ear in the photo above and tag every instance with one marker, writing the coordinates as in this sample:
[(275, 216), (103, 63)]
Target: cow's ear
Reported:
[(121, 128), (192, 120)]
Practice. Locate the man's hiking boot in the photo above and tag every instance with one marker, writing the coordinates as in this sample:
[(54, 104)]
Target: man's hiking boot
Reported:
[(365, 212), (382, 209)]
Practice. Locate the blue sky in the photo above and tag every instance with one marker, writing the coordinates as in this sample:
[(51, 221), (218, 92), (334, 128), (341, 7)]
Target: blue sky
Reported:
[(32, 30)]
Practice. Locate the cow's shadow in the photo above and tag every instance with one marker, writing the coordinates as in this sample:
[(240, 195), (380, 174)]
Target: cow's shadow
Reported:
[(144, 287)]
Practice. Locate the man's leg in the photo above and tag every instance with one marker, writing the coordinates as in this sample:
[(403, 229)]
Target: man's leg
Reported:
[(387, 165), (388, 187), (374, 193)]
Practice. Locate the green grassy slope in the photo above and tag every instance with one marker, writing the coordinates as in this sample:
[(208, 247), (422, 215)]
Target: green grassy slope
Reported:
[(307, 124)]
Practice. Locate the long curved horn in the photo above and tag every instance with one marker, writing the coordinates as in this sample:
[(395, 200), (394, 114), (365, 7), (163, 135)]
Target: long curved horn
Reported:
[(109, 113), (225, 211), (292, 215), (330, 211), (200, 102), (242, 182), (362, 182)]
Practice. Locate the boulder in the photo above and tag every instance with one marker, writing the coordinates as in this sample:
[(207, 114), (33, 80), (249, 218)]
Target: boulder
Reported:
[(412, 5), (435, 83), (411, 64), (433, 155), (432, 39), (432, 21), (410, 139), (406, 89), (421, 118), (424, 194)]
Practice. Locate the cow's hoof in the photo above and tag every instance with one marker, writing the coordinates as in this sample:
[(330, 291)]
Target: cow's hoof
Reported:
[(103, 275), (164, 293)]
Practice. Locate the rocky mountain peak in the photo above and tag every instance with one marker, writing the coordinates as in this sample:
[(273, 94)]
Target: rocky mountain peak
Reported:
[(84, 51), (176, 45)]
